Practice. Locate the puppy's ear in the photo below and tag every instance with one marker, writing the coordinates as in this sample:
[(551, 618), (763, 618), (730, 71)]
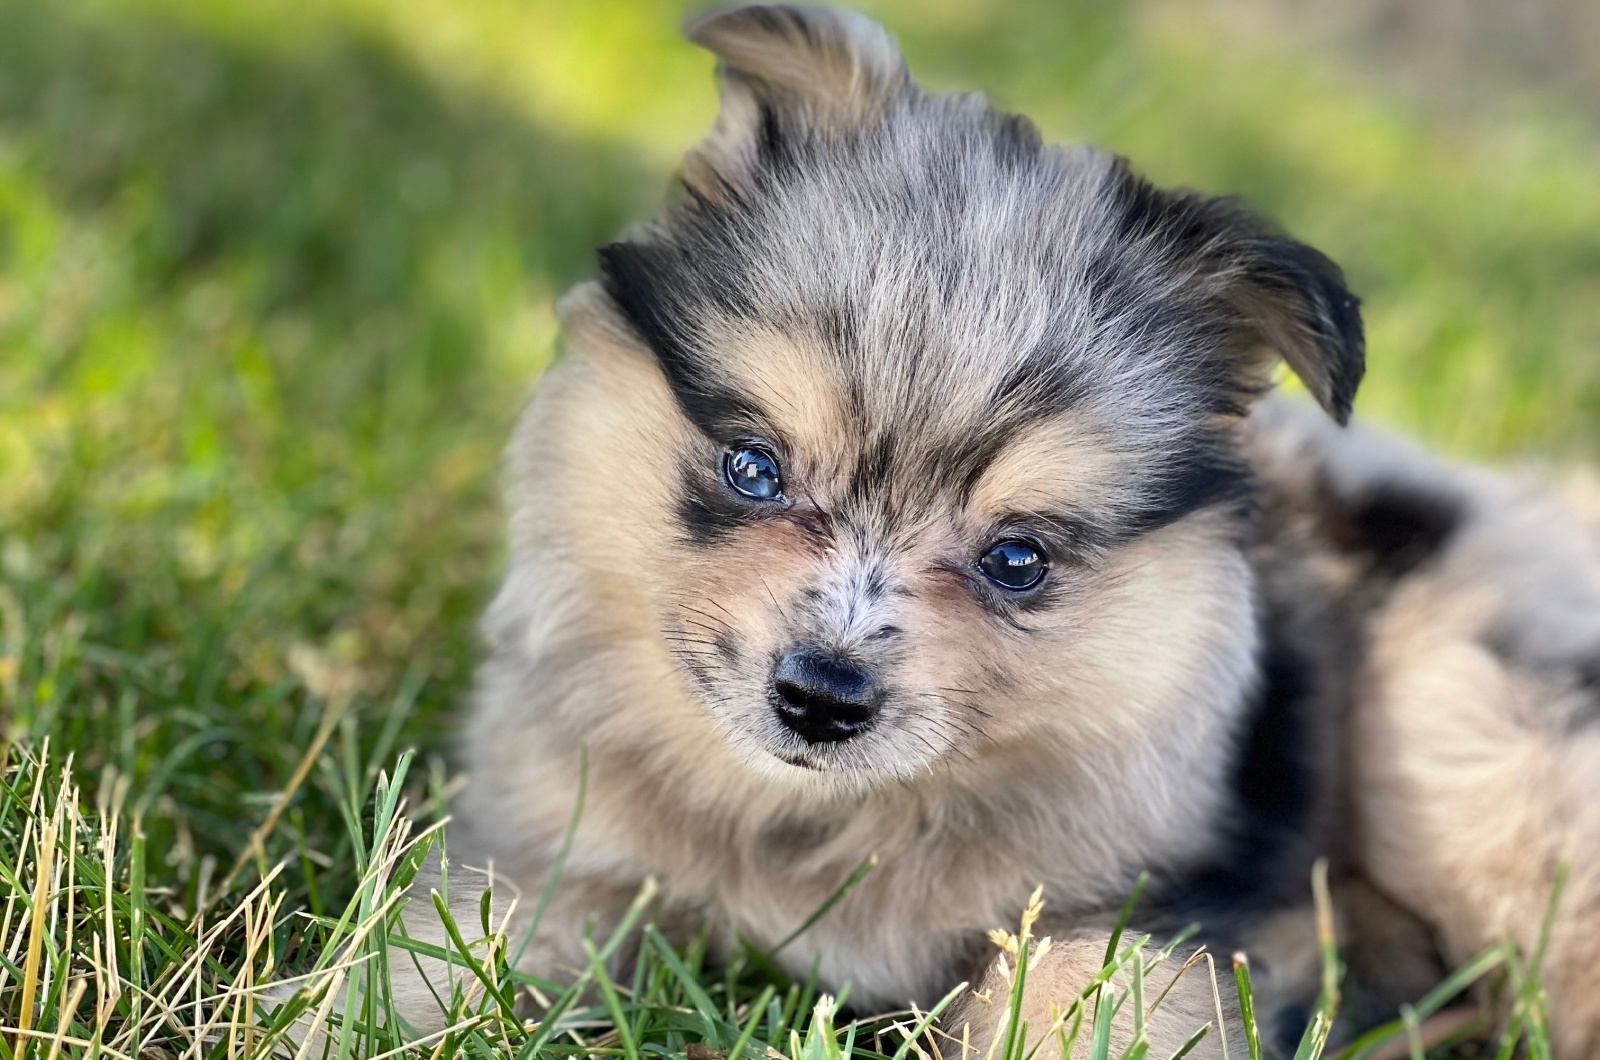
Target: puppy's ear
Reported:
[(790, 70), (1295, 298), (1281, 297)]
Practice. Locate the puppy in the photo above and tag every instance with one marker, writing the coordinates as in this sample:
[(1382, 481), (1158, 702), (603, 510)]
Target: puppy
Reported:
[(907, 490)]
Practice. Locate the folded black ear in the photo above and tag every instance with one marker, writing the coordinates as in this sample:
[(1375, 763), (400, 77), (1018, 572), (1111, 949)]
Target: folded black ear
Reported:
[(1296, 297), (1282, 297), (790, 70)]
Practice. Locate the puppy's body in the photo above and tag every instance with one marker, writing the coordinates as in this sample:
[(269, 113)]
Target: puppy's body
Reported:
[(926, 341)]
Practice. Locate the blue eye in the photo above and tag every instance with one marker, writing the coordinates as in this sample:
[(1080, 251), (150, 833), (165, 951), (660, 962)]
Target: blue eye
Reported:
[(1014, 565), (753, 472)]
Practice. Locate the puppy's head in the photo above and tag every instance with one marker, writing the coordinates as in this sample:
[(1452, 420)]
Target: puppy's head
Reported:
[(914, 435)]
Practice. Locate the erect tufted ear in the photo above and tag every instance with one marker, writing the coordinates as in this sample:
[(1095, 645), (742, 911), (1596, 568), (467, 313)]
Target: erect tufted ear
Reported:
[(1282, 297), (791, 69)]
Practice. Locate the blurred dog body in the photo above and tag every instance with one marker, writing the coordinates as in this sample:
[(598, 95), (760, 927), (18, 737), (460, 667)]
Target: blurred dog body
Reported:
[(909, 491)]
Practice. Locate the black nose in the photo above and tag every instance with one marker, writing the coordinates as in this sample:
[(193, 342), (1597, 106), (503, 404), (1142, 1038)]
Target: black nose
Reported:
[(822, 696)]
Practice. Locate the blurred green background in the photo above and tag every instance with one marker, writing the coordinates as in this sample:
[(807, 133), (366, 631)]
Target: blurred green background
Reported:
[(275, 278)]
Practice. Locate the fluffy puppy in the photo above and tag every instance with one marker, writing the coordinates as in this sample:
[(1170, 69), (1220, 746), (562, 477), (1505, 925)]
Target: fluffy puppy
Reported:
[(899, 493)]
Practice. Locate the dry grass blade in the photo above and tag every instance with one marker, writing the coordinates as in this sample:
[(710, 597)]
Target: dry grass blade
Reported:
[(44, 868), (333, 712)]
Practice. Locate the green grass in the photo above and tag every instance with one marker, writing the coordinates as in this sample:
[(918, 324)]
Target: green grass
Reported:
[(274, 279)]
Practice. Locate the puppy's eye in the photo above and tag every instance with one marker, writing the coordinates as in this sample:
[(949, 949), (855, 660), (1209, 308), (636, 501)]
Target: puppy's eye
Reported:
[(753, 472), (1014, 565)]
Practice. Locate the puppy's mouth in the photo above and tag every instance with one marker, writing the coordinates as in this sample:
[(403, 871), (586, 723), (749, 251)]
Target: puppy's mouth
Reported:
[(780, 746), (890, 748), (799, 761), (854, 766)]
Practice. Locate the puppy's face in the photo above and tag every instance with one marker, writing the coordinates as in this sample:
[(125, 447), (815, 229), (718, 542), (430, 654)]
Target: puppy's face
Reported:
[(939, 420)]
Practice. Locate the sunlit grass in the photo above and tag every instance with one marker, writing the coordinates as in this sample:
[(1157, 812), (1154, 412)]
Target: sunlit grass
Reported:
[(99, 959)]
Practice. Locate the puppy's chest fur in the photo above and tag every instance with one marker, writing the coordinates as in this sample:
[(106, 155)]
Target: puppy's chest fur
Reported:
[(954, 857)]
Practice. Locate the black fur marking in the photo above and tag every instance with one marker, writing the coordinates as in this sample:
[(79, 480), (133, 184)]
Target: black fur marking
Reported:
[(1016, 141), (1147, 211), (1400, 530), (873, 471), (706, 511), (1123, 288), (1288, 1027), (1270, 773), (1204, 477), (775, 150), (646, 281), (634, 275), (1040, 386), (1267, 855), (1588, 679), (965, 461)]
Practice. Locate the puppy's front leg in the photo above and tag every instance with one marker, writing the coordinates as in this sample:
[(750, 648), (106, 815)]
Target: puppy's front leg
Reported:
[(1059, 975)]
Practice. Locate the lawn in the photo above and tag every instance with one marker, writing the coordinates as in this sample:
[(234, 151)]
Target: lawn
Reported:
[(274, 281)]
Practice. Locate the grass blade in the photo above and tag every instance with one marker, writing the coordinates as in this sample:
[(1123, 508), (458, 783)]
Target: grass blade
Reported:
[(757, 1007), (1247, 1011), (608, 990), (855, 877), (1100, 1041), (1194, 1039), (922, 1025), (1125, 916)]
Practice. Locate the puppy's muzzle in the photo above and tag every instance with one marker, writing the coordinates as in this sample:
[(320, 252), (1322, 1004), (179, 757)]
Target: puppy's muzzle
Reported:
[(822, 696)]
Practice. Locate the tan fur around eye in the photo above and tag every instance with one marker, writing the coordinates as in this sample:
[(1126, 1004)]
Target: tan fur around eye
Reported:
[(798, 384), (1057, 465)]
